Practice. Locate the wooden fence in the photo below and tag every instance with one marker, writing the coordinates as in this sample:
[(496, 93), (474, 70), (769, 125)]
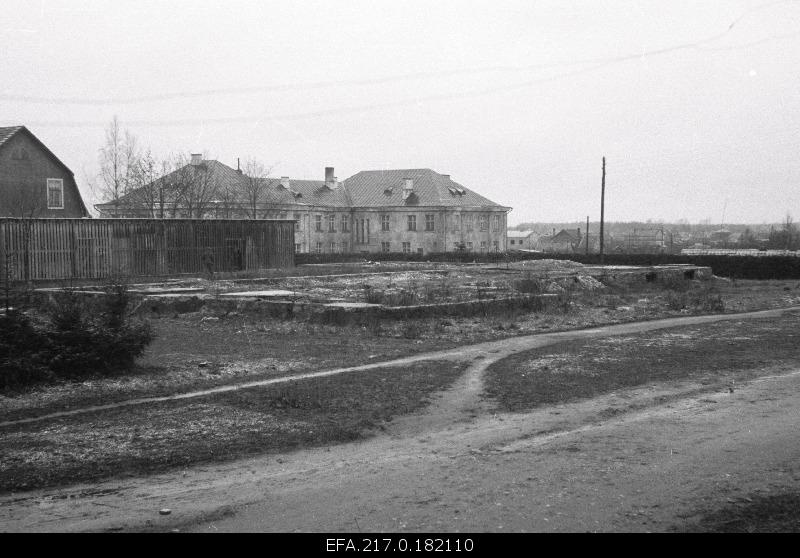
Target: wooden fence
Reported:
[(46, 249)]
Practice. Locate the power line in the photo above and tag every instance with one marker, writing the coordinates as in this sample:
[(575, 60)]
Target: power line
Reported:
[(391, 79), (599, 63)]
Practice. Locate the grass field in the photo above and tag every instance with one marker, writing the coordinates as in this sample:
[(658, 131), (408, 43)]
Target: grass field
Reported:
[(578, 370), (192, 352), (759, 513), (156, 437)]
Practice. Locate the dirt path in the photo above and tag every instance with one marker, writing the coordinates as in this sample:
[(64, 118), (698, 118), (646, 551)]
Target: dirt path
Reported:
[(458, 466), (497, 349)]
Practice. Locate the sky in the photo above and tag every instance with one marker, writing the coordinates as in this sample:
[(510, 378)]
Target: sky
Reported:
[(695, 105)]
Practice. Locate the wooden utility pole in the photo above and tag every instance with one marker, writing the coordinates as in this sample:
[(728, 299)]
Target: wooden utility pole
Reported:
[(587, 235), (602, 209)]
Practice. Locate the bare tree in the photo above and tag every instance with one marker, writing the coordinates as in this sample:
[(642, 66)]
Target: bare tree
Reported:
[(25, 200), (149, 191), (228, 200), (119, 158), (254, 187), (194, 185)]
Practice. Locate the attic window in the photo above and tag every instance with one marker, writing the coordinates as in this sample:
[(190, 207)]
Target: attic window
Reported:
[(456, 191), (388, 190)]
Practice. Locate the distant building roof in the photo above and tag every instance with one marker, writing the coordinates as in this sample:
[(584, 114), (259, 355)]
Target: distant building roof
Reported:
[(8, 131), (519, 234), (385, 188)]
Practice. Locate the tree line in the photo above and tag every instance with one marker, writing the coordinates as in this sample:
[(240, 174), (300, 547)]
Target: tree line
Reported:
[(135, 182)]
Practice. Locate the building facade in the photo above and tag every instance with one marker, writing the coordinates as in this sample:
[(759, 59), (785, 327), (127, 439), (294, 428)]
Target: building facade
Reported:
[(407, 210), (34, 183), (522, 240)]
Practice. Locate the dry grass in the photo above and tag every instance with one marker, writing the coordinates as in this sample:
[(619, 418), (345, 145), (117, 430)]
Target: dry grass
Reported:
[(774, 513), (192, 352), (156, 437), (577, 370)]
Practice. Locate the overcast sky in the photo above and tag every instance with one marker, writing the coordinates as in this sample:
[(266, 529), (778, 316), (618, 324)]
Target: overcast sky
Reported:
[(696, 105)]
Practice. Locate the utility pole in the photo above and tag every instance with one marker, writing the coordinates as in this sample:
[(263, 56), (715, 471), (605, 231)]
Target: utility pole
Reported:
[(602, 209), (587, 235)]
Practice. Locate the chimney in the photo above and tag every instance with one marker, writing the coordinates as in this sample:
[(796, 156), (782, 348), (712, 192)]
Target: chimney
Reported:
[(408, 187), (446, 176), (329, 178), (197, 158), (238, 168), (285, 183)]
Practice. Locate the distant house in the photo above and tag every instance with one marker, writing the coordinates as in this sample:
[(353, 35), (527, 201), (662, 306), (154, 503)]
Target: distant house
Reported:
[(647, 241), (33, 181), (406, 210), (522, 240), (563, 242), (594, 243)]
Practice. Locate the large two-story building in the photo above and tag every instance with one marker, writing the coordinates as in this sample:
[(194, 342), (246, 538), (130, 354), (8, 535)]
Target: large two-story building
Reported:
[(407, 210)]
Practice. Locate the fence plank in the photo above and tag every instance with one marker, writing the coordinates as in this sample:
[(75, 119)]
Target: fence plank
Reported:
[(39, 249)]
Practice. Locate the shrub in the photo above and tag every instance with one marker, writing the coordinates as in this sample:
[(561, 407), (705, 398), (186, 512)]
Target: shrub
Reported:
[(91, 338), (23, 351), (79, 337)]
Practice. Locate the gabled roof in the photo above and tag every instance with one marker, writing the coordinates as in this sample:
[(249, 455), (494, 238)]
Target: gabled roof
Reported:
[(7, 132), (563, 235), (519, 234), (384, 188)]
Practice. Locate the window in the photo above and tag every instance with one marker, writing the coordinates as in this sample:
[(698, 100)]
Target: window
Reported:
[(345, 247), (385, 223), (386, 246), (55, 193), (406, 247), (430, 221), (333, 247), (496, 245), (297, 248), (484, 225), (412, 222), (318, 223), (468, 222), (495, 223), (319, 247), (512, 242), (456, 222), (362, 231), (483, 245), (297, 221), (345, 223), (331, 223), (469, 246), (419, 251)]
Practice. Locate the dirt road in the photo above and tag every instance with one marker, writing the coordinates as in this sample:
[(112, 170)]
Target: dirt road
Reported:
[(641, 459)]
